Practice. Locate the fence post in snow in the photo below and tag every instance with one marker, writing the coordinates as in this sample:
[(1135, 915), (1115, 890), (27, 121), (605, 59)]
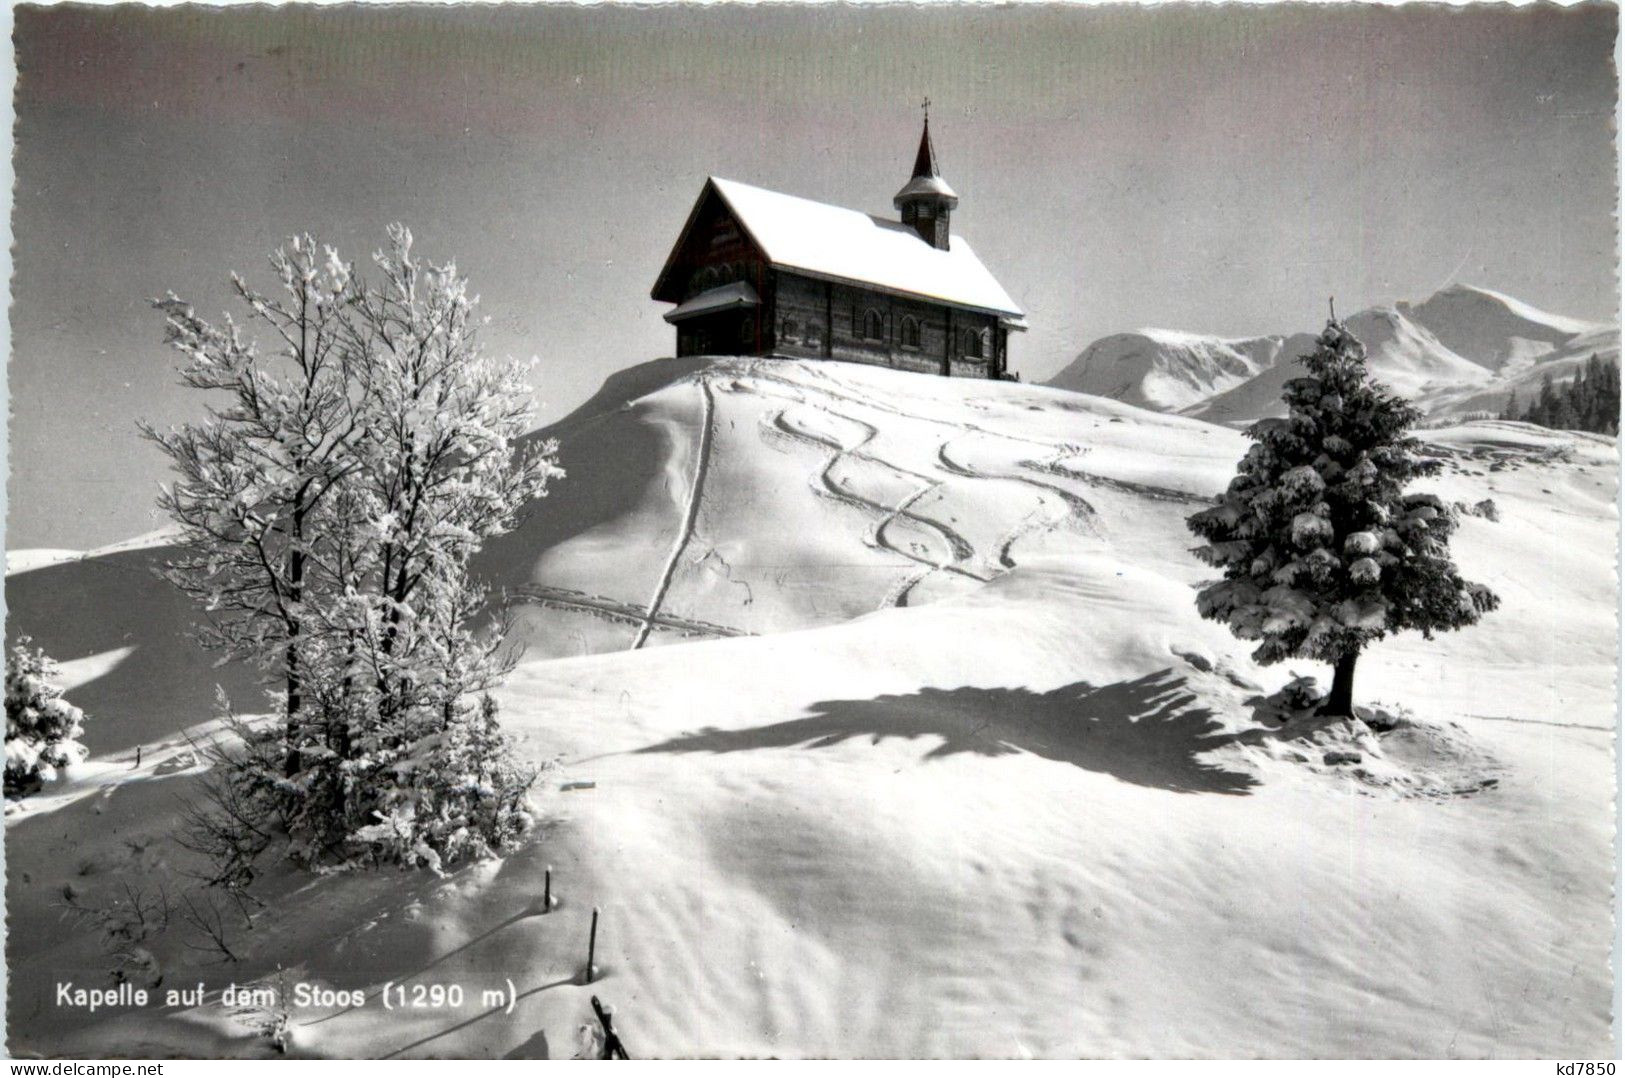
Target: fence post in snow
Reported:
[(592, 946)]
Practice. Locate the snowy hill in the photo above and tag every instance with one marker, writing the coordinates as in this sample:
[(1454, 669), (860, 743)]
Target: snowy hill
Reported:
[(1165, 369), (1459, 353), (934, 758)]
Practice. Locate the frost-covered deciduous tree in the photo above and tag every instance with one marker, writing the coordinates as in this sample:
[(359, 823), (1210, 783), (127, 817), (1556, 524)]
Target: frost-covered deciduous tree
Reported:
[(1322, 548), (42, 729), (440, 467), (328, 519), (254, 476)]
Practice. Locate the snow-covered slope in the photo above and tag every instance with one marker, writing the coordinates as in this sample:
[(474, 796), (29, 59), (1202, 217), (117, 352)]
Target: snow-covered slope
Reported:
[(1408, 356), (1459, 353), (939, 761), (18, 561), (1563, 364)]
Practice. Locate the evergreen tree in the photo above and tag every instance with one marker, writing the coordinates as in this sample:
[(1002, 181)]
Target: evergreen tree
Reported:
[(42, 729), (1608, 400), (1599, 409), (1511, 410), (1589, 402), (1544, 411), (1322, 549)]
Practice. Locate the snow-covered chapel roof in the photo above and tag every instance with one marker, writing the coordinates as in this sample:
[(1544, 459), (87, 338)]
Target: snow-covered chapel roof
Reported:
[(828, 241)]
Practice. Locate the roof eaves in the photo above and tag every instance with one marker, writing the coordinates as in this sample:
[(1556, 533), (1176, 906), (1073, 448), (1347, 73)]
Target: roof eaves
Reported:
[(823, 275)]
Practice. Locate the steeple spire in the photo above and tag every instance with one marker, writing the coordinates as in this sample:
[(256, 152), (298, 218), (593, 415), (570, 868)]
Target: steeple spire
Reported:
[(926, 199), (925, 162)]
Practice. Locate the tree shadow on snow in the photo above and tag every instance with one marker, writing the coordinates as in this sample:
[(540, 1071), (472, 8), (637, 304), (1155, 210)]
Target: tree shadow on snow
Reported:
[(1147, 731)]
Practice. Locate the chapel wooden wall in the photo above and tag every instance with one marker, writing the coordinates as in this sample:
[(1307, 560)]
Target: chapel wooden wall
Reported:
[(824, 320)]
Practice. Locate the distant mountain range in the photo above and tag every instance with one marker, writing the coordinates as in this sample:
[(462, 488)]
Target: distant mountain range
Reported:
[(1460, 353)]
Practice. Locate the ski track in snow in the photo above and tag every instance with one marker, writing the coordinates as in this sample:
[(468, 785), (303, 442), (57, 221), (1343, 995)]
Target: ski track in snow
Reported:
[(1146, 490), (1544, 722), (616, 610), (960, 554), (825, 484), (1073, 508), (691, 512)]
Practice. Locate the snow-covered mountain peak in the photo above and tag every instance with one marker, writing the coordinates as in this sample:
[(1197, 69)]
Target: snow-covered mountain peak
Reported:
[(1460, 352), (1491, 328), (1166, 369)]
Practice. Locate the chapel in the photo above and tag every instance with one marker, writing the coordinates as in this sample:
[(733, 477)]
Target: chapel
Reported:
[(760, 273)]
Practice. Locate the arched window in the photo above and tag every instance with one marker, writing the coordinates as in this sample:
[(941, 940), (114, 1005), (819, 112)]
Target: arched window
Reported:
[(909, 333), (973, 344), (873, 327)]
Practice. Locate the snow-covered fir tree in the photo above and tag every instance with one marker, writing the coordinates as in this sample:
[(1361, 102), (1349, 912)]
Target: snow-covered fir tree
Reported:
[(338, 547), (1322, 548), (42, 729), (1590, 401)]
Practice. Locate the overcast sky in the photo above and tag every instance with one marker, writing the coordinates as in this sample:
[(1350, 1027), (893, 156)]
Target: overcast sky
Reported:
[(1218, 170)]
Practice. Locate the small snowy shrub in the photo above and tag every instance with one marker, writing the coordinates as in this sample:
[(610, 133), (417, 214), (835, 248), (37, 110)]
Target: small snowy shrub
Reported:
[(589, 1041), (421, 791), (1381, 717), (42, 729), (455, 793), (268, 1010), (126, 925)]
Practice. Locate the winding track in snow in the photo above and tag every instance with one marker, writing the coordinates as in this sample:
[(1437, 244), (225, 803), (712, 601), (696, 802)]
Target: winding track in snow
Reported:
[(833, 387), (1074, 508), (691, 513), (823, 483), (1145, 490)]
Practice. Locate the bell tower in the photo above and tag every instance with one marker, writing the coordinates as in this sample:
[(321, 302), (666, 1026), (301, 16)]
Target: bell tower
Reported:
[(926, 200)]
